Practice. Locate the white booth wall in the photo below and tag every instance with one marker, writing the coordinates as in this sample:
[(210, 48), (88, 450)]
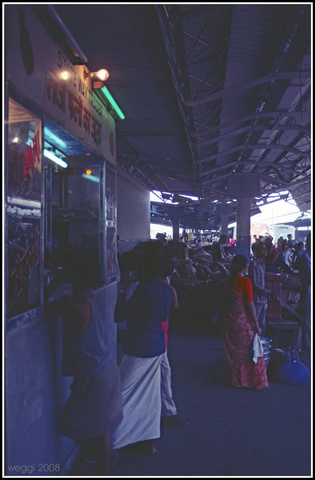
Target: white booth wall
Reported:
[(133, 211)]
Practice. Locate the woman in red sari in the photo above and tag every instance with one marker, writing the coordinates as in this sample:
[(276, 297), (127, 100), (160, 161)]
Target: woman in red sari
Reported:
[(239, 325)]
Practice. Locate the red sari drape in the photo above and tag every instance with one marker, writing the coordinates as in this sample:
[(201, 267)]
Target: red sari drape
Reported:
[(237, 336)]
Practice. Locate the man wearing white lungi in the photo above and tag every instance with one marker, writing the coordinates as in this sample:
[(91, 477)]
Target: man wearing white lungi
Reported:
[(144, 346), (169, 409)]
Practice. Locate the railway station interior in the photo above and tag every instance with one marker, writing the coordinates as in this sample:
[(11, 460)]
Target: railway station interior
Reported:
[(182, 119)]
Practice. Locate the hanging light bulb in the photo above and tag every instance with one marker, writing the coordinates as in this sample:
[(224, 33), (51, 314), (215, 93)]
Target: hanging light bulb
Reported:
[(101, 75), (65, 75), (98, 78)]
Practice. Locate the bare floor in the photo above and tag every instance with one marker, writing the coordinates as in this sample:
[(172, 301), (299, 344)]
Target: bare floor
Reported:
[(231, 432)]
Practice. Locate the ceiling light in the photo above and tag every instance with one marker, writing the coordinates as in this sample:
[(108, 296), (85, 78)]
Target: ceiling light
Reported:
[(64, 75), (113, 104), (98, 78), (51, 137), (166, 196), (189, 196), (100, 75), (93, 178), (51, 156)]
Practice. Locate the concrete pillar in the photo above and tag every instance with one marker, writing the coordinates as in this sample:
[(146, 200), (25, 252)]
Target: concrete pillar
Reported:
[(224, 211), (243, 227), (224, 225), (174, 213), (243, 187), (176, 228)]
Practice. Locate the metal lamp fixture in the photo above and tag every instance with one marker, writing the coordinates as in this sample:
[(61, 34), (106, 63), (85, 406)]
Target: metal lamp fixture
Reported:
[(98, 78)]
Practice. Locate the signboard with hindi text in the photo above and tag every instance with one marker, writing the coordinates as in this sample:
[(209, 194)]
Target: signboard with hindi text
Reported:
[(44, 74)]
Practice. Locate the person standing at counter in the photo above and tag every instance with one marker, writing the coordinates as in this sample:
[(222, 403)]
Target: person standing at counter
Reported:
[(94, 407)]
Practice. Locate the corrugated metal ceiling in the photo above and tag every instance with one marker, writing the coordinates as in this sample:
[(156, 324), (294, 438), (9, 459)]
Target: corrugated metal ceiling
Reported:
[(209, 91)]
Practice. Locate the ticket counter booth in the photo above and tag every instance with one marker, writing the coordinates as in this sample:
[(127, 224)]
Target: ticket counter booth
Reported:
[(60, 199), (68, 209)]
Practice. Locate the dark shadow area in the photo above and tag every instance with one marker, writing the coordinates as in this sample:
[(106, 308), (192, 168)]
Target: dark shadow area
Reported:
[(232, 432)]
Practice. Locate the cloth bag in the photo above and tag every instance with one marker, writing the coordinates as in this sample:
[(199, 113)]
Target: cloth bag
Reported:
[(257, 348)]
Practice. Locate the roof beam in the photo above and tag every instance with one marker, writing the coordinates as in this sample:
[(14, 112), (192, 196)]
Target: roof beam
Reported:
[(255, 147), (250, 128), (252, 163), (271, 77), (257, 115)]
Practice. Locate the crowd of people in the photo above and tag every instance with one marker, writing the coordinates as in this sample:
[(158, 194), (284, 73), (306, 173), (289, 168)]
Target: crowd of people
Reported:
[(245, 300), (119, 402), (291, 259)]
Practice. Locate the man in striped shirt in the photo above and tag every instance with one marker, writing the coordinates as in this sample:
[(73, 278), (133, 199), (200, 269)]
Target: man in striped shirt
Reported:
[(256, 272)]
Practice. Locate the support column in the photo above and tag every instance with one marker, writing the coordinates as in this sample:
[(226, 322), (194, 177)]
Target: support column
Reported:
[(174, 214), (243, 187), (224, 211), (176, 228), (224, 225), (243, 227)]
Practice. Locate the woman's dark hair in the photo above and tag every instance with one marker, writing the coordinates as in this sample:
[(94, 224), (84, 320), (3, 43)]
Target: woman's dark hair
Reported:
[(238, 264)]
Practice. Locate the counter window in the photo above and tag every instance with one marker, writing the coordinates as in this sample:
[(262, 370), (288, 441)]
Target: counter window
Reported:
[(73, 219), (111, 236), (23, 204)]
